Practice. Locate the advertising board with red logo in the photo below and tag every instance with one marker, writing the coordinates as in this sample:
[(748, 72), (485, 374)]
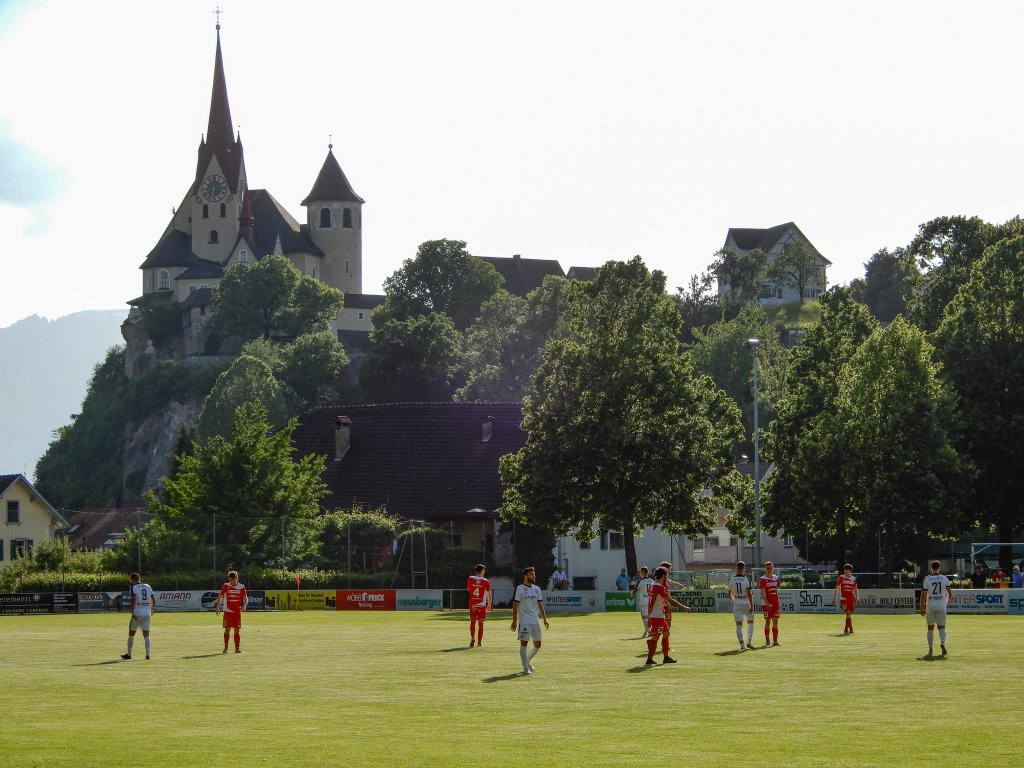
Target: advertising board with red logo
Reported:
[(366, 600)]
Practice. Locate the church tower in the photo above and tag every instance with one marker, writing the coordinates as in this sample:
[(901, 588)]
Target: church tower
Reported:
[(334, 217)]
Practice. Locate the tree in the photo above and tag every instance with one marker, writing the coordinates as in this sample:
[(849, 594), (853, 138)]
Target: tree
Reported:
[(620, 433), (889, 281), (743, 272), (244, 491), (249, 379), (255, 299), (903, 475), (443, 277), (981, 345), (312, 366), (797, 266), (698, 306), (504, 345), (419, 358), (356, 539), (804, 490)]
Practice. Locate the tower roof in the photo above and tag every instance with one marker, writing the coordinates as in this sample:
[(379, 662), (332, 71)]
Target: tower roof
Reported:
[(220, 141), (331, 184)]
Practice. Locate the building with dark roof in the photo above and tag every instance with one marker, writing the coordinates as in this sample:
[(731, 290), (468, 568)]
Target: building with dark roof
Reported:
[(102, 528), (773, 241), (26, 518), (523, 275)]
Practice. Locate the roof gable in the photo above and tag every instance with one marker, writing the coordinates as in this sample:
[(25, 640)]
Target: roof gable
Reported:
[(523, 275), (331, 183), (6, 483)]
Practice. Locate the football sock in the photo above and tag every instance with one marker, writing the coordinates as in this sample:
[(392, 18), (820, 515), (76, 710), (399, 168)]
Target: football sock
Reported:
[(849, 624), (931, 639), (147, 646), (238, 639), (652, 643), (472, 628), (942, 635), (524, 657), (775, 634), (664, 645), (750, 631), (479, 632), (532, 652), (739, 633), (227, 634), (131, 642), (767, 633)]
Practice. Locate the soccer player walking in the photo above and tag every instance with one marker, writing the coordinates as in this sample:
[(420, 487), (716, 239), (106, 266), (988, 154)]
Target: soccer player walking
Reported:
[(769, 588), (527, 613), (846, 590), (235, 600), (479, 590), (641, 591), (742, 597), (659, 598), (935, 597), (143, 606)]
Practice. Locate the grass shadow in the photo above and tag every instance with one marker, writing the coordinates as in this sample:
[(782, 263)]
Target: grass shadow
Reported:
[(733, 652), (927, 657), (642, 668), (504, 678), (456, 648), (204, 655), (101, 663)]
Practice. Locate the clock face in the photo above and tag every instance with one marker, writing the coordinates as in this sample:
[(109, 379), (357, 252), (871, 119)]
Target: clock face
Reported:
[(214, 188)]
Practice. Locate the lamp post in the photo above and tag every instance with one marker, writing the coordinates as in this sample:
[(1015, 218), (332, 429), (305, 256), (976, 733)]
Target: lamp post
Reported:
[(753, 344)]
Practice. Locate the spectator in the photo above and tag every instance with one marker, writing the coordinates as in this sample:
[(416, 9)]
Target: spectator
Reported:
[(999, 577), (978, 578), (558, 579), (622, 581), (1017, 577)]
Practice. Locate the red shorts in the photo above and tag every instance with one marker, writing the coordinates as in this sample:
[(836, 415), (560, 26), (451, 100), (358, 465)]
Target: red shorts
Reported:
[(848, 604), (771, 610), (232, 619), (657, 626), (478, 613)]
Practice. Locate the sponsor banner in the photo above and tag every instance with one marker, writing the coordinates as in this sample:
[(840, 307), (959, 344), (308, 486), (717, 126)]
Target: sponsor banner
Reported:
[(365, 599), (699, 600), (65, 602), (887, 601), (419, 599), (979, 601), (26, 602), (93, 602), (574, 601), (620, 601), (184, 600), (299, 599), (1015, 602), (257, 599)]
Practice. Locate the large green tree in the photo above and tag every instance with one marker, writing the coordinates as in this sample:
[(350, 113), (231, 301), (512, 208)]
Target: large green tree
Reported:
[(419, 358), (248, 379), (981, 345), (902, 475), (312, 367), (621, 434), (741, 272), (443, 277), (246, 494), (797, 266), (890, 278), (804, 491)]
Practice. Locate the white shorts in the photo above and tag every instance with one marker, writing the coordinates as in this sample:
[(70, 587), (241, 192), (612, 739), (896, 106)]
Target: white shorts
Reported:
[(139, 622), (936, 615), (529, 632), (742, 614)]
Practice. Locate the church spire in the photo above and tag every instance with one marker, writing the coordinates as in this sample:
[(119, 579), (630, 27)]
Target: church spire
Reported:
[(220, 141)]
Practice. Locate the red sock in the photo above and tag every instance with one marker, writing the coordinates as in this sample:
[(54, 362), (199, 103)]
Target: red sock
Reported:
[(479, 632), (238, 639), (227, 634), (664, 644), (775, 634), (472, 628), (767, 632), (849, 623), (652, 643)]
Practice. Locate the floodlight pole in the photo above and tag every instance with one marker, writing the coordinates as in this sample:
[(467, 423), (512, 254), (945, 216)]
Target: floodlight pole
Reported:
[(753, 344)]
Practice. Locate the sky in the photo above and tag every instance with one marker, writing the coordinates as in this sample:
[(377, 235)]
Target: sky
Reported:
[(575, 131)]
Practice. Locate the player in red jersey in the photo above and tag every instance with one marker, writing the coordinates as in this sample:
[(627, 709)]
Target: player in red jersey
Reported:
[(659, 599), (846, 589), (769, 588), (479, 590), (235, 600)]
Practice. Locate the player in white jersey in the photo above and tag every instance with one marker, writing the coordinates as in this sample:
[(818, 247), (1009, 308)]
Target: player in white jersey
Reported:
[(742, 597), (527, 613), (642, 598), (935, 596), (143, 606)]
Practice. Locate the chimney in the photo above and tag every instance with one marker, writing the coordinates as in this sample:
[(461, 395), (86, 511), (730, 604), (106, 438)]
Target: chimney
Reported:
[(516, 257), (488, 428), (342, 428)]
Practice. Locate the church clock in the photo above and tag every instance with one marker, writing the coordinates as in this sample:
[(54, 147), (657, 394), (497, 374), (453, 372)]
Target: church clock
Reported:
[(214, 188)]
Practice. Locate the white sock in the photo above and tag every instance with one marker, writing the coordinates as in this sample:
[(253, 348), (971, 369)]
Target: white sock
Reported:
[(131, 642), (523, 656), (739, 633), (942, 635), (750, 632), (931, 638), (147, 646), (532, 653)]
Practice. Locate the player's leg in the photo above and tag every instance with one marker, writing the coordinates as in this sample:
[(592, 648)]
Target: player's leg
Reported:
[(472, 628), (942, 638), (652, 640), (775, 630), (131, 638), (739, 632), (931, 638), (480, 629), (768, 626), (750, 631), (524, 655), (145, 638), (227, 632), (665, 658)]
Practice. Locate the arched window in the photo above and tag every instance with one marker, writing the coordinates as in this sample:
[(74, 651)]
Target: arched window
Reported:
[(206, 211), (214, 237), (163, 281), (325, 218), (223, 210), (316, 271), (243, 256), (346, 219)]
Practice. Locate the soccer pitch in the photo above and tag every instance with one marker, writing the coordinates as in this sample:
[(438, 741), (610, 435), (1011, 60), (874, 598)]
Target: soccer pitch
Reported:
[(402, 689)]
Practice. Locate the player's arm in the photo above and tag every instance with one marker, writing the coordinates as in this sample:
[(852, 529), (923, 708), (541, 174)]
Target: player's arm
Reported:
[(835, 593), (543, 613), (152, 602), (949, 595), (681, 606), (515, 611), (220, 597), (676, 584), (131, 605), (924, 601), (245, 599)]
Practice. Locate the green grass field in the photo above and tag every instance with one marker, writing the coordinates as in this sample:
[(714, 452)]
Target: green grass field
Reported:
[(402, 689)]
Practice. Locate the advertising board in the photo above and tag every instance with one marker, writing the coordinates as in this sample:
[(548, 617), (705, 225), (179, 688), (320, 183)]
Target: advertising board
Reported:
[(991, 601), (574, 601), (365, 599), (300, 599), (419, 599), (1015, 602), (619, 601), (26, 602)]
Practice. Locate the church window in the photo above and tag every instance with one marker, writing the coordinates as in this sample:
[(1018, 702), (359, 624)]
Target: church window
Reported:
[(242, 256), (346, 218), (346, 266), (206, 211), (214, 237), (316, 271), (325, 218), (223, 210), (163, 281)]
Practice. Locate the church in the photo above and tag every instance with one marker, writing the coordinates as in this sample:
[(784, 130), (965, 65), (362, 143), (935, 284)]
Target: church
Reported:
[(221, 221)]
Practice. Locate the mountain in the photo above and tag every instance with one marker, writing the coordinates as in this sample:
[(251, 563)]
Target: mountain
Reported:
[(48, 366)]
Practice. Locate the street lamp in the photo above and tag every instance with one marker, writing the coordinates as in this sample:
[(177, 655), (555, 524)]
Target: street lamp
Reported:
[(753, 344)]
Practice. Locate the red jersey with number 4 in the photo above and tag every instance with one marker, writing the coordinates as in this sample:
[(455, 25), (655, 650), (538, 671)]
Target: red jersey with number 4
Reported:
[(847, 587), (770, 585), (232, 597), (478, 587)]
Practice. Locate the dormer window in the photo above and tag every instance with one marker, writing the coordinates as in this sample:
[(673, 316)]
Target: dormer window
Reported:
[(243, 256), (214, 237), (325, 218), (346, 218), (163, 281)]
